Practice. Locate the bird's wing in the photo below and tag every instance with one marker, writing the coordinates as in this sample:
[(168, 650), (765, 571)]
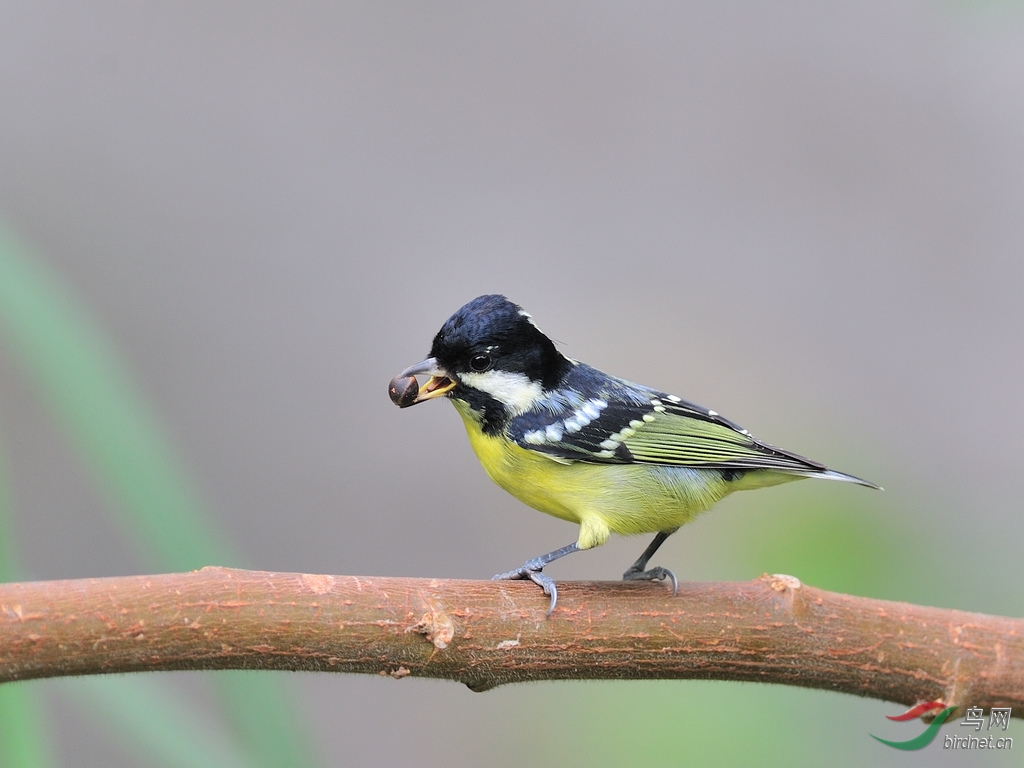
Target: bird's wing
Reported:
[(623, 423)]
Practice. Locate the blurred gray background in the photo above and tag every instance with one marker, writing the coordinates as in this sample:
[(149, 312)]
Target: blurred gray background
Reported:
[(809, 217)]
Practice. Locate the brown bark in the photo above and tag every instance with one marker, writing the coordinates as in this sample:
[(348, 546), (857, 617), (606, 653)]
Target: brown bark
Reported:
[(486, 633)]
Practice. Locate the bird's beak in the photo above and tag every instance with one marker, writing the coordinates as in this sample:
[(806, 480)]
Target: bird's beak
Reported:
[(439, 384)]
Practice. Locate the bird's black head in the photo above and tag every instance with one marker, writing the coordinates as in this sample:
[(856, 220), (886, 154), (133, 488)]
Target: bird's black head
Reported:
[(490, 333), (490, 356)]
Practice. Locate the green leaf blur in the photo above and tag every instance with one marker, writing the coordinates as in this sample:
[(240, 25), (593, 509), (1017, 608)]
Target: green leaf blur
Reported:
[(92, 396)]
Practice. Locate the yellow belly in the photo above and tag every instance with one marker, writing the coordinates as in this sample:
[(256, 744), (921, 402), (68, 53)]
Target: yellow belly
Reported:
[(603, 498)]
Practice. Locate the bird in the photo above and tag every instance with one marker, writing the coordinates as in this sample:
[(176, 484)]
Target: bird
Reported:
[(582, 445)]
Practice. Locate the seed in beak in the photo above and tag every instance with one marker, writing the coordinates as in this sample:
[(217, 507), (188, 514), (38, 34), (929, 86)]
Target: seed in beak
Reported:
[(403, 390)]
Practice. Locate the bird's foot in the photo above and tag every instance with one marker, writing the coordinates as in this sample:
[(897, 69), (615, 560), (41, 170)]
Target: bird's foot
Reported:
[(652, 574), (531, 570)]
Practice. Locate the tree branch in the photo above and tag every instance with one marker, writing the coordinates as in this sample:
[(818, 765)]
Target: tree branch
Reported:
[(486, 633)]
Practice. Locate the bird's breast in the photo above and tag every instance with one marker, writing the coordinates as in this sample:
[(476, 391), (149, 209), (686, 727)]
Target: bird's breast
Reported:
[(625, 498)]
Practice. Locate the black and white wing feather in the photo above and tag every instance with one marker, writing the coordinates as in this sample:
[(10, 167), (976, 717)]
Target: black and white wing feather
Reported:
[(599, 418)]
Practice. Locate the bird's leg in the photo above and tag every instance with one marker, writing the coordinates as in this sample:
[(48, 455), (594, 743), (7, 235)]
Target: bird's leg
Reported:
[(531, 570), (638, 571)]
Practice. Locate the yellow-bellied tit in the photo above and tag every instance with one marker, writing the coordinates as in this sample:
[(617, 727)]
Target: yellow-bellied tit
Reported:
[(579, 444)]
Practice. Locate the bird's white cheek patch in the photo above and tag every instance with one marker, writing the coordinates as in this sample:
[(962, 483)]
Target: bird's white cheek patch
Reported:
[(515, 391)]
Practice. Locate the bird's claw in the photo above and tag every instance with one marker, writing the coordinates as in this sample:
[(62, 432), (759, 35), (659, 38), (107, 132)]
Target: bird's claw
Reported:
[(653, 574), (532, 570)]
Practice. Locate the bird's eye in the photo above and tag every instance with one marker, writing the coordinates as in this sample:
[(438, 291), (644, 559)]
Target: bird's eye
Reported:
[(480, 363)]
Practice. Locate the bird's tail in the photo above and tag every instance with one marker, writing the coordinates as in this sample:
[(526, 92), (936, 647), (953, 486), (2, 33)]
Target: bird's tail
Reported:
[(831, 474)]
